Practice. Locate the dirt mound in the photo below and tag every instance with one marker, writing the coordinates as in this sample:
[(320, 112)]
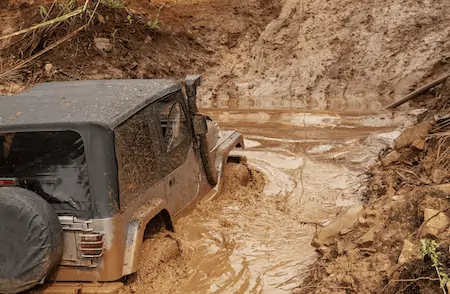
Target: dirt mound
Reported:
[(340, 54), (399, 241), (130, 39)]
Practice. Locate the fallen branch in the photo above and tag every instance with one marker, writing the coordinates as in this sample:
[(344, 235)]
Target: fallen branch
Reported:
[(45, 50), (418, 92), (43, 24)]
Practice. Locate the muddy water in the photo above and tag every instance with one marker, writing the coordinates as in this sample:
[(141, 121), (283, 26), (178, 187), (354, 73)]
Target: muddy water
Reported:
[(255, 237)]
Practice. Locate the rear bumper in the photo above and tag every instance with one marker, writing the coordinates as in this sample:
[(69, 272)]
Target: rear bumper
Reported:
[(81, 288)]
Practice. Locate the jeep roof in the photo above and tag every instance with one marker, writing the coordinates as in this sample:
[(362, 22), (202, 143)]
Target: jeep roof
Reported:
[(107, 102)]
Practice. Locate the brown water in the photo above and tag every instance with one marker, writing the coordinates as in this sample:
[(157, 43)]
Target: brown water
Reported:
[(255, 237)]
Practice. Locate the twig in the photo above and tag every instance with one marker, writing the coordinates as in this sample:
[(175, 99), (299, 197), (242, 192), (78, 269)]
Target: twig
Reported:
[(60, 41), (286, 282), (414, 174), (415, 280), (86, 4), (418, 92), (43, 24), (303, 165), (95, 10), (406, 280)]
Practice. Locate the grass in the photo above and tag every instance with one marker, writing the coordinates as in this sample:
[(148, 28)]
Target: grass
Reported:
[(114, 4), (430, 248), (153, 23)]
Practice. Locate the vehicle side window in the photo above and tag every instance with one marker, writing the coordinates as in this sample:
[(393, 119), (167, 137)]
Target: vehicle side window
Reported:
[(137, 161), (176, 133)]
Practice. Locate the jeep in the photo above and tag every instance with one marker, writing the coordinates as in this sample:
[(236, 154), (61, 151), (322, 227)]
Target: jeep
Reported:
[(88, 167)]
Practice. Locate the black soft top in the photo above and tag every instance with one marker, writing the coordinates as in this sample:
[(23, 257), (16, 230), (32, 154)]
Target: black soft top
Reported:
[(107, 102)]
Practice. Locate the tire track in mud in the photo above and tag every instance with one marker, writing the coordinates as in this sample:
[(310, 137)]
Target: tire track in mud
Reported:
[(255, 236)]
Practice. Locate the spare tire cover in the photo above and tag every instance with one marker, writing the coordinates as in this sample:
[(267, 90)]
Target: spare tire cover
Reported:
[(31, 240)]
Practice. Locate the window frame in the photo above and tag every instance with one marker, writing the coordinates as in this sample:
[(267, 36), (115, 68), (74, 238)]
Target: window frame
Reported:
[(146, 116), (176, 97)]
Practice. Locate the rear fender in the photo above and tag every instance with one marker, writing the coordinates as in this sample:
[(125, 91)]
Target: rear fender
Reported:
[(135, 233), (228, 141)]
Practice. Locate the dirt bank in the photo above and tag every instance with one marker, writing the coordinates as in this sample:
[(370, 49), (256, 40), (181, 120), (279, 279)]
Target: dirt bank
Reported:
[(398, 242), (310, 54), (338, 55), (137, 39)]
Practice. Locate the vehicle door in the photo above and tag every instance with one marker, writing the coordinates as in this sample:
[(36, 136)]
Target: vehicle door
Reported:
[(180, 162)]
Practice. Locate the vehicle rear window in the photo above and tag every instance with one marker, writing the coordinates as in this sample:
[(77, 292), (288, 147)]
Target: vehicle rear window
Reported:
[(50, 163)]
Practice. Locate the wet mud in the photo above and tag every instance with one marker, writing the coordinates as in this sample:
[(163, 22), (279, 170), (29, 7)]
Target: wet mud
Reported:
[(255, 236)]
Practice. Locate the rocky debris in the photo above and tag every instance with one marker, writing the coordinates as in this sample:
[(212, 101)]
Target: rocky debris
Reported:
[(419, 131), (445, 188), (367, 239), (343, 224), (434, 222), (48, 68), (103, 44), (419, 144), (385, 239), (390, 158), (409, 252)]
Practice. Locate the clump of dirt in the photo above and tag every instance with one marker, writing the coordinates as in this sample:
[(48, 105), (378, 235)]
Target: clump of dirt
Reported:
[(163, 265), (398, 242), (130, 39)]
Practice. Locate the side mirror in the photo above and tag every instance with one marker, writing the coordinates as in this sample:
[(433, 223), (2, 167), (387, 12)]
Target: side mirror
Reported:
[(191, 83), (200, 126)]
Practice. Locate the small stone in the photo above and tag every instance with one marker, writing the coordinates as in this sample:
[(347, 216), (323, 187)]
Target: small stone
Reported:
[(103, 44), (101, 19), (409, 252), (148, 40), (367, 239), (445, 188), (390, 158), (344, 221), (48, 68), (419, 144), (419, 131), (435, 222)]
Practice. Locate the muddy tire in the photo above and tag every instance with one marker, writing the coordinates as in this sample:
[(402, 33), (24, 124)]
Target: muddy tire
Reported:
[(31, 240), (208, 161)]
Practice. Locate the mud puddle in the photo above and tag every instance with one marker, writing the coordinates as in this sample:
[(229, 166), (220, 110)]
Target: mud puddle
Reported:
[(304, 168)]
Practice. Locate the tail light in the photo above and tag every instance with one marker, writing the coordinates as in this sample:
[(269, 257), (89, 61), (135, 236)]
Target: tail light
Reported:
[(8, 182), (91, 244)]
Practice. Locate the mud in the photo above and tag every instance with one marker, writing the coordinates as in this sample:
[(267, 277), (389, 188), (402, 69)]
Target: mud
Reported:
[(255, 237)]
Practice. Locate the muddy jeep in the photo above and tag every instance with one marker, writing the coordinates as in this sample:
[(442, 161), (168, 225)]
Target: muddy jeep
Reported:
[(88, 167)]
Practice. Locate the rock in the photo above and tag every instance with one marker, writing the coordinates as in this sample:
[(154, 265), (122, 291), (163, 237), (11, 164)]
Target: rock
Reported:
[(390, 158), (345, 246), (419, 131), (48, 67), (443, 188), (367, 239), (409, 252), (438, 175), (434, 221), (419, 144), (103, 44), (328, 235), (148, 40), (101, 19)]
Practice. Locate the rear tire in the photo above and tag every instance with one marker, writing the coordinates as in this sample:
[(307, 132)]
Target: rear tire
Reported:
[(31, 239)]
